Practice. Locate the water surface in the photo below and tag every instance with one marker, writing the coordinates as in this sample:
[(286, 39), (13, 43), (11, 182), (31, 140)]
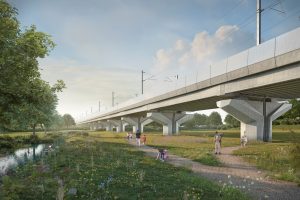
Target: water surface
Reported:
[(19, 157)]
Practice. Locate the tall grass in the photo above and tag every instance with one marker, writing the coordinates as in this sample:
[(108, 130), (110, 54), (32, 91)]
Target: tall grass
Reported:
[(280, 158)]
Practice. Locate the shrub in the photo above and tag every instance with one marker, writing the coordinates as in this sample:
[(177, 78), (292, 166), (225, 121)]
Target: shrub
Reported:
[(4, 144)]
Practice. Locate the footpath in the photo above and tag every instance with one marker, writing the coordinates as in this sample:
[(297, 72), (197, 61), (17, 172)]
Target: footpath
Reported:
[(235, 173)]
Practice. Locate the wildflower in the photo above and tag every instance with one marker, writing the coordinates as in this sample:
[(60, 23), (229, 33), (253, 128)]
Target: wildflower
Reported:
[(101, 185), (109, 179), (229, 176)]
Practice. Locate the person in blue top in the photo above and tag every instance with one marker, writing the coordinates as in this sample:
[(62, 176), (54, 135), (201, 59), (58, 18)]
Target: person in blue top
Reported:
[(138, 137)]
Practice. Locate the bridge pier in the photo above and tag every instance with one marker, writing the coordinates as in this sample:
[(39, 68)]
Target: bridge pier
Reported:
[(137, 122), (108, 125), (118, 124), (93, 126), (98, 125), (124, 124), (145, 122), (255, 116), (170, 121)]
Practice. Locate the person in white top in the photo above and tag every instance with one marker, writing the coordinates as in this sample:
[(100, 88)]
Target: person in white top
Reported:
[(244, 140), (217, 141)]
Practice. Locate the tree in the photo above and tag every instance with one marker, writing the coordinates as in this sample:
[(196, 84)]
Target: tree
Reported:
[(25, 100), (56, 121), (41, 107), (214, 119), (231, 121), (200, 119), (295, 111), (197, 121), (292, 116), (68, 120)]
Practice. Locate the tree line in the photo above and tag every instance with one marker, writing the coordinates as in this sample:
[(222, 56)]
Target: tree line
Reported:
[(213, 120), (26, 100)]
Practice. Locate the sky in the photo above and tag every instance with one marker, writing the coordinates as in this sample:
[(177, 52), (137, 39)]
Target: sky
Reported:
[(103, 45)]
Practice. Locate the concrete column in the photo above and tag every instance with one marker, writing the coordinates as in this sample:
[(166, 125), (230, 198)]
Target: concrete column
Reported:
[(134, 121), (145, 122), (98, 125), (93, 126), (102, 124), (170, 121), (137, 122), (118, 124), (108, 126), (124, 124), (255, 116)]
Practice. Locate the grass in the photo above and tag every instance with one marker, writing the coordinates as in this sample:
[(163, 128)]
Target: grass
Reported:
[(278, 157), (197, 146), (103, 166)]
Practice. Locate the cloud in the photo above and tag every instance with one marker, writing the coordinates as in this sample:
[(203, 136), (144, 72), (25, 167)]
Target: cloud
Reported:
[(204, 49), (180, 45), (163, 58), (87, 85)]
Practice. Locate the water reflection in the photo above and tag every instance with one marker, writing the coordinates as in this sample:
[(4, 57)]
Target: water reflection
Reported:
[(20, 156)]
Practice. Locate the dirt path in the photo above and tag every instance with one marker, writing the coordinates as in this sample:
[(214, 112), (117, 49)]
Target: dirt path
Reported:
[(231, 161), (236, 173)]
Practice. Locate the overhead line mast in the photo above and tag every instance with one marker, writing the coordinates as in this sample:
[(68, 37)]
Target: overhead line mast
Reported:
[(258, 22)]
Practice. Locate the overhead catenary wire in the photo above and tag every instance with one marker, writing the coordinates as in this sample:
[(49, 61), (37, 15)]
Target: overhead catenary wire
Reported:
[(270, 27), (247, 21)]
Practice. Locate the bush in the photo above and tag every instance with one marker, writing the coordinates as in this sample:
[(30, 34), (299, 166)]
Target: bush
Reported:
[(79, 133), (4, 144)]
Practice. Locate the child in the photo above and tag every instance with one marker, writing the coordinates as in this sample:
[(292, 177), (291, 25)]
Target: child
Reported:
[(162, 154)]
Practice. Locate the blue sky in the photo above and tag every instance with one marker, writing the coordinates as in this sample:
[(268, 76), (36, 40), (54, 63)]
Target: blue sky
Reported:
[(102, 45)]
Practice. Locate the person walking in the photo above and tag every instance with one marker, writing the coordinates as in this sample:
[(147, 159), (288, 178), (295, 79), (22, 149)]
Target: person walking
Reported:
[(143, 139), (217, 141), (244, 140), (138, 137)]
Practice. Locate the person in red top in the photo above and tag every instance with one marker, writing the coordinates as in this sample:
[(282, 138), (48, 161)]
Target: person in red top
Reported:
[(144, 139)]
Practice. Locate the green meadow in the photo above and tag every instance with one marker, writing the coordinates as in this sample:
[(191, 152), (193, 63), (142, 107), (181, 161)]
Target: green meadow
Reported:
[(280, 158), (102, 165)]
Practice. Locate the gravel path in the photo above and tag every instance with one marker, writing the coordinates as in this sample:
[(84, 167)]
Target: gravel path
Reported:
[(236, 173)]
